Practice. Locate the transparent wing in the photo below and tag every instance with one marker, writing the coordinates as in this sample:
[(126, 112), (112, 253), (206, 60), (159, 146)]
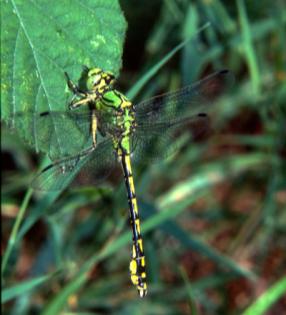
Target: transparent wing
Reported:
[(88, 165), (56, 133), (159, 118), (159, 141), (188, 102)]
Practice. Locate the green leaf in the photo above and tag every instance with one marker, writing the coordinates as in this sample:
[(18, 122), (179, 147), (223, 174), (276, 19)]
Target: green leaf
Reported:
[(43, 39)]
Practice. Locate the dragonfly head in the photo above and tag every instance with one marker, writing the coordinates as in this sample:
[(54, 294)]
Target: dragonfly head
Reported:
[(99, 80)]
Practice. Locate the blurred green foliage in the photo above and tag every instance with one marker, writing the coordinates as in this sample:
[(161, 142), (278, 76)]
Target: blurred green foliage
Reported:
[(214, 219)]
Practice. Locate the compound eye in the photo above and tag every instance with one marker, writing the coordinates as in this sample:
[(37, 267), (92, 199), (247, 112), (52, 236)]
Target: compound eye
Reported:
[(110, 79), (110, 75), (96, 79)]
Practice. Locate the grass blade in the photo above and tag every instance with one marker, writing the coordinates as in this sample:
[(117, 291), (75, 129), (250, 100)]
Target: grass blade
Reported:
[(22, 288), (249, 50), (14, 233), (264, 302), (147, 76)]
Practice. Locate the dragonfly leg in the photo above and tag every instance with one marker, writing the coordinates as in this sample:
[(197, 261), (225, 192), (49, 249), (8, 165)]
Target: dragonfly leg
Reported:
[(75, 104), (73, 87), (93, 128)]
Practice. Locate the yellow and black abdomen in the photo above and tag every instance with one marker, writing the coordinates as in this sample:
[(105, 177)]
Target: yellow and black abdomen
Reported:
[(137, 263)]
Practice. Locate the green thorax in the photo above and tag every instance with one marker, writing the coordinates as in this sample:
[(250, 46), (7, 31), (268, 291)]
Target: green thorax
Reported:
[(114, 112), (117, 118)]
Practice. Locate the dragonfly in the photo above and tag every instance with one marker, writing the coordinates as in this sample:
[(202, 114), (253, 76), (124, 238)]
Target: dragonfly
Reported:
[(103, 127)]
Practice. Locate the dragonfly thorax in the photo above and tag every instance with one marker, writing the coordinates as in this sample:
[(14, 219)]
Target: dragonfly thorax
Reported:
[(117, 117)]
